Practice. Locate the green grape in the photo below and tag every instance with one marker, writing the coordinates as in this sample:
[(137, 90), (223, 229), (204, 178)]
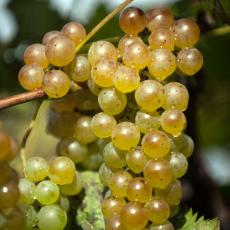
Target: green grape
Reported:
[(105, 173), (102, 50), (186, 32), (127, 40), (125, 136), (149, 95), (56, 83), (4, 145), (114, 223), (47, 192), (163, 63), (36, 169), (83, 132), (176, 96), (159, 210), (31, 76), (26, 189), (190, 61), (112, 101), (64, 203), (30, 217), (112, 206), (134, 216), (49, 35), (102, 125), (74, 31), (156, 144), (74, 188), (103, 72), (172, 193), (93, 161), (174, 210), (136, 160), (158, 173), (61, 170), (173, 121), (166, 226), (118, 183), (60, 50), (52, 217), (126, 79), (147, 121), (93, 87), (138, 190), (79, 69), (187, 147)]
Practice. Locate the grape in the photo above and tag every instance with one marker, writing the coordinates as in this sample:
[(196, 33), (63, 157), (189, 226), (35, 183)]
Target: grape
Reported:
[(4, 145), (134, 216), (49, 35), (158, 173), (56, 83), (149, 95), (114, 223), (103, 72), (156, 144), (102, 50), (105, 173), (93, 87), (189, 61), (126, 41), (83, 132), (159, 210), (173, 121), (64, 203), (14, 149), (26, 189), (61, 170), (161, 38), (79, 69), (163, 63), (112, 101), (112, 206), (7, 173), (74, 188), (46, 192), (187, 146), (126, 79), (113, 157), (31, 76), (51, 217), (118, 183), (186, 32), (30, 217), (36, 169), (93, 160), (60, 50), (176, 96), (125, 136), (165, 226), (74, 31), (132, 20), (138, 190)]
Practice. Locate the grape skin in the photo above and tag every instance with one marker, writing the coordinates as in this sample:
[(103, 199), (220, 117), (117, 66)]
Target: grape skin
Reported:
[(126, 41)]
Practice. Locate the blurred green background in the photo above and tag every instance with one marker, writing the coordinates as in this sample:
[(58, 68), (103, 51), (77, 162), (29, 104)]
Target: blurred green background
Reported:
[(207, 185)]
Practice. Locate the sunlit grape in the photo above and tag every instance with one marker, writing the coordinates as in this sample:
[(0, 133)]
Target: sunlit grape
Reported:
[(49, 35), (127, 40), (114, 223)]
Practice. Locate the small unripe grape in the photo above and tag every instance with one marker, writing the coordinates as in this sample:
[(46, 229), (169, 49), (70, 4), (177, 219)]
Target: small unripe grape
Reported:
[(137, 55), (187, 147), (56, 83), (176, 96), (112, 101), (132, 20), (125, 136), (158, 173), (159, 210), (114, 223), (102, 50), (49, 35), (36, 169), (118, 183), (79, 69), (103, 72), (163, 63), (173, 121), (61, 170), (105, 173), (74, 31), (102, 125), (31, 76), (134, 216), (156, 144), (186, 32), (112, 206), (26, 189), (161, 38), (126, 79), (165, 226), (126, 41), (60, 51), (189, 61), (149, 95)]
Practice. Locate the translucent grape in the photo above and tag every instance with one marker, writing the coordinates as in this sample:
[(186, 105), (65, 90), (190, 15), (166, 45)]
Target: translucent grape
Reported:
[(105, 173), (187, 147), (156, 144), (93, 87), (126, 41), (30, 217), (49, 35), (163, 63), (26, 189), (114, 223), (173, 121), (165, 226), (112, 101)]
